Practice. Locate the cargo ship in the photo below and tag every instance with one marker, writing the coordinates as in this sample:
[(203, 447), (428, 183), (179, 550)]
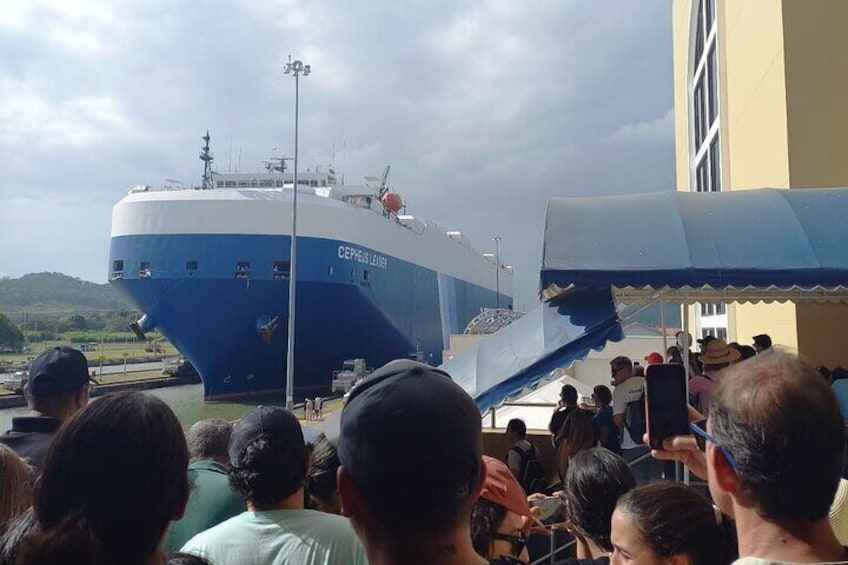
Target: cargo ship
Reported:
[(208, 266)]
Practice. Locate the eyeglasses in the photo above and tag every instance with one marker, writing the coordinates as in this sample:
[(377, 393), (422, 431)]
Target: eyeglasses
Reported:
[(519, 542), (702, 437)]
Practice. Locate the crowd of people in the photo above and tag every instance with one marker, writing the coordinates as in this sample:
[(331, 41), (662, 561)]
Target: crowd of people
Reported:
[(403, 479)]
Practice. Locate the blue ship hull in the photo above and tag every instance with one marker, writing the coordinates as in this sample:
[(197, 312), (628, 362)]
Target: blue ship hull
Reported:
[(351, 302)]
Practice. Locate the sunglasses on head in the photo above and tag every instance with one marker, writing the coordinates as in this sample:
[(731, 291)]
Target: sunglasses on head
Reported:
[(519, 542), (699, 429)]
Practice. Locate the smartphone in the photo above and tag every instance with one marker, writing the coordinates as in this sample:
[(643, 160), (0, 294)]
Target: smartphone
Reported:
[(666, 414), (549, 505)]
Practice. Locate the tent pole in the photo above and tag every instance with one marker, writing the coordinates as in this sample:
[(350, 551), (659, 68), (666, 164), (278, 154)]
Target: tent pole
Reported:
[(685, 357), (664, 330)]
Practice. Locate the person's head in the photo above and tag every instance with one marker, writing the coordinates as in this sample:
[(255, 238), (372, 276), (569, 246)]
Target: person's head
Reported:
[(824, 373), (716, 355), (670, 523), (705, 341), (575, 435), (602, 395), (621, 369), (410, 449), (321, 482), (672, 354), (568, 394), (516, 429), (186, 559), (683, 340), (15, 486), (501, 516), (268, 457), (762, 342), (654, 358), (595, 480), (57, 383), (746, 352), (209, 440), (113, 479), (779, 426)]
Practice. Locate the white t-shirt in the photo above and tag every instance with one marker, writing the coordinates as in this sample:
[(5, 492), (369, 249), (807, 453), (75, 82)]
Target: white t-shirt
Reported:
[(623, 394), (278, 537)]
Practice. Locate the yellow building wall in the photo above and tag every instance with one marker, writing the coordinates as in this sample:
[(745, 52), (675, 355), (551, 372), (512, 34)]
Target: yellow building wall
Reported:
[(680, 15), (816, 61), (775, 319), (821, 334)]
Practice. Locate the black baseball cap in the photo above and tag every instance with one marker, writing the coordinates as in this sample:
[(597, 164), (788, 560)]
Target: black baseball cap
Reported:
[(763, 341), (278, 424), (409, 426), (57, 371), (707, 339)]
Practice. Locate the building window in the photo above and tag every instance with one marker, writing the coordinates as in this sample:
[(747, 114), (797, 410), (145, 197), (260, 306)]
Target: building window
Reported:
[(366, 275), (281, 270), (705, 159), (144, 270), (330, 270), (243, 270), (118, 265), (191, 265)]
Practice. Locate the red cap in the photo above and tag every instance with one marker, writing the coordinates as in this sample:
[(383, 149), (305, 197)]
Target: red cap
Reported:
[(655, 358)]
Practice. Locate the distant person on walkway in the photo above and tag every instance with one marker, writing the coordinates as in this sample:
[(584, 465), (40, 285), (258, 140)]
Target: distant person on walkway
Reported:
[(606, 430), (309, 408), (566, 403), (762, 343), (319, 408), (113, 479), (629, 389), (775, 471), (57, 387), (524, 459), (410, 449), (268, 465), (716, 356), (212, 500)]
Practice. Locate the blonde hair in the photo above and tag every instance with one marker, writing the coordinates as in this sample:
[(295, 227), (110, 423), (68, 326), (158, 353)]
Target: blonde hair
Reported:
[(15, 486)]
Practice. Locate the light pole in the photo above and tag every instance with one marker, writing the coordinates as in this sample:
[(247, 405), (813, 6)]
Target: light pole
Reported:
[(497, 240), (295, 68)]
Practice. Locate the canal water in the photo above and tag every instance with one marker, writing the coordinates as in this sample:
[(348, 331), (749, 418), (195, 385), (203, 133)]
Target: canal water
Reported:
[(186, 401)]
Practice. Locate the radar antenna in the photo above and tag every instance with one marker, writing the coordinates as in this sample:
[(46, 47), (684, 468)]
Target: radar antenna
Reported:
[(277, 164), (383, 186), (207, 158)]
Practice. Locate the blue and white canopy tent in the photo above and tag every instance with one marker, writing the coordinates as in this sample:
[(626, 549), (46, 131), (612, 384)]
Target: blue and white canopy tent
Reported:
[(601, 253)]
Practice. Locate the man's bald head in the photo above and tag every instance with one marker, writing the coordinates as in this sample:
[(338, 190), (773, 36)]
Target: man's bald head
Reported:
[(781, 422)]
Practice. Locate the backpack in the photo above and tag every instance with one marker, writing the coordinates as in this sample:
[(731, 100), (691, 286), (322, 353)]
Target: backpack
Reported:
[(634, 419), (531, 474)]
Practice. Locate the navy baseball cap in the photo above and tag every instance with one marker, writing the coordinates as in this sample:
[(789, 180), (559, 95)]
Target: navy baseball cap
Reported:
[(274, 422), (57, 371), (408, 425)]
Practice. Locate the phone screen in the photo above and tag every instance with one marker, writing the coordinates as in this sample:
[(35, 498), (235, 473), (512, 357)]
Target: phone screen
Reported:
[(666, 401)]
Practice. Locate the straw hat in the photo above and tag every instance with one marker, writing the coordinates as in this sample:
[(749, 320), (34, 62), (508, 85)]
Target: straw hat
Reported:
[(718, 353), (839, 513)]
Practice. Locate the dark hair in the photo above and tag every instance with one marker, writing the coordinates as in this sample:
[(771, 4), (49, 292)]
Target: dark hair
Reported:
[(595, 480), (322, 475), (575, 435), (568, 394), (675, 519), (838, 374), (186, 559), (746, 352), (622, 362), (209, 439), (603, 394), (113, 479), (486, 519), (782, 424), (269, 472), (518, 426)]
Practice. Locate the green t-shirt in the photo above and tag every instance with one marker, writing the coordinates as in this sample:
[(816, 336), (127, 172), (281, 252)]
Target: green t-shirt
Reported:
[(277, 537), (210, 502)]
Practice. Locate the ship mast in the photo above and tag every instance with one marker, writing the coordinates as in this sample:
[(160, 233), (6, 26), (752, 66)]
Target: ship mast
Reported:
[(207, 159)]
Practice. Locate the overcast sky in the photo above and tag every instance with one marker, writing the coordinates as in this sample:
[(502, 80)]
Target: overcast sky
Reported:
[(484, 110)]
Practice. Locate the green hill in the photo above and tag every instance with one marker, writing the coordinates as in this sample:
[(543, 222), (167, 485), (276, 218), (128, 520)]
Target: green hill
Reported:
[(57, 293)]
